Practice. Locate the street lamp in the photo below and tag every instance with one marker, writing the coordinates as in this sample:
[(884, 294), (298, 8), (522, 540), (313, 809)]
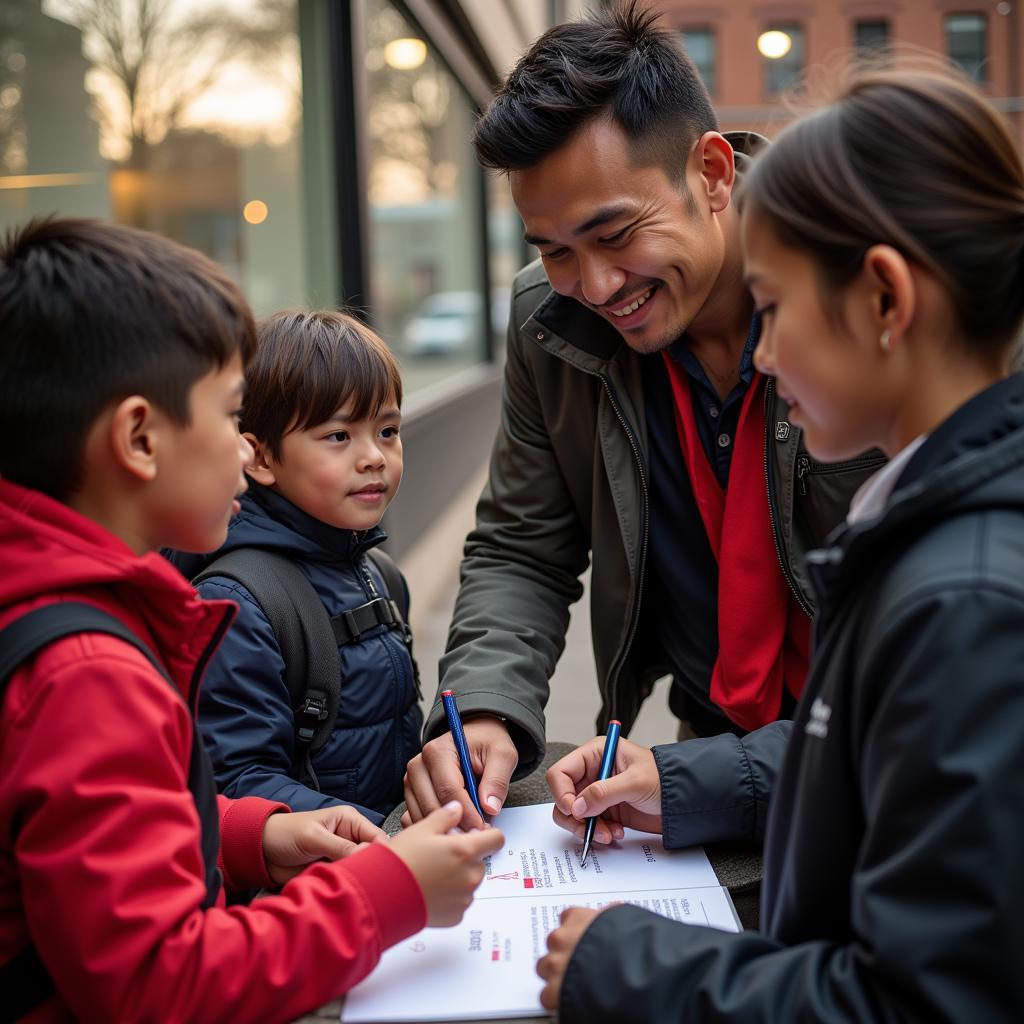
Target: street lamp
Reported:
[(405, 54), (774, 44)]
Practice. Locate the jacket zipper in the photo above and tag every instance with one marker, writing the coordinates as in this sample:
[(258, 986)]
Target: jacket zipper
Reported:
[(613, 676), (370, 588), (204, 660), (769, 389), (803, 468), (620, 659)]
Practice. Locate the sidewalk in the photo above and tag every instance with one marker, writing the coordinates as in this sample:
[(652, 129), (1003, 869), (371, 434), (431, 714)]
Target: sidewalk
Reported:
[(432, 567)]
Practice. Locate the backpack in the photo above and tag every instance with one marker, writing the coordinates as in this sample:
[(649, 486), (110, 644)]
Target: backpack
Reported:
[(25, 984), (309, 639)]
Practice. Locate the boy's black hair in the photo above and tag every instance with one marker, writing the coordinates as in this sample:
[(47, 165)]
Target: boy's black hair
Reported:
[(91, 313), (615, 64), (308, 364)]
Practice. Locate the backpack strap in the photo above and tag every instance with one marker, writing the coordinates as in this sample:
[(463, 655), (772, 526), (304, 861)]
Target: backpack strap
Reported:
[(312, 665), (399, 594), (25, 984)]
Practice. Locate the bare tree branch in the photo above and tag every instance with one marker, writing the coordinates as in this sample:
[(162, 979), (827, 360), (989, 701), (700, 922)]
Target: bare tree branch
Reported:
[(160, 67)]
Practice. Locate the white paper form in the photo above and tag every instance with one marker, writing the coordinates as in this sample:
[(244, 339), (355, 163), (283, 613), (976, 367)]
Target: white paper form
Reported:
[(539, 857), (485, 967)]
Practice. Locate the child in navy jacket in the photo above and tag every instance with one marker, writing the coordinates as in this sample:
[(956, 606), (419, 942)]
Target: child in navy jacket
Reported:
[(322, 412)]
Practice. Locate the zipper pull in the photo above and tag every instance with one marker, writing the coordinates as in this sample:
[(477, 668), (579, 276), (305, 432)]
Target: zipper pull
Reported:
[(803, 465)]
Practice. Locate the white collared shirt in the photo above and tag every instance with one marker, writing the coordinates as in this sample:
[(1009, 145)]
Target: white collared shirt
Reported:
[(873, 495)]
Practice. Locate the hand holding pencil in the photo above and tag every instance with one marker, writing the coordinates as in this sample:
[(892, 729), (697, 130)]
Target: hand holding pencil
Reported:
[(630, 797)]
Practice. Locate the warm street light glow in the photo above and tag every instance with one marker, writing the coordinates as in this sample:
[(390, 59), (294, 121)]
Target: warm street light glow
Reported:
[(405, 54), (255, 211), (17, 181), (774, 44)]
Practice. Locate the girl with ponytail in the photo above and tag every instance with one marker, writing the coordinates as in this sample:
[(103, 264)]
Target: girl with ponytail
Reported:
[(884, 246)]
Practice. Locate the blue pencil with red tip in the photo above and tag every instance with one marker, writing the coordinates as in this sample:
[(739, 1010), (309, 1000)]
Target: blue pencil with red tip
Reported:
[(611, 742)]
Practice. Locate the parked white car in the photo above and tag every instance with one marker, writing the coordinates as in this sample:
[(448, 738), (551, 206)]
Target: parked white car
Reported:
[(450, 322)]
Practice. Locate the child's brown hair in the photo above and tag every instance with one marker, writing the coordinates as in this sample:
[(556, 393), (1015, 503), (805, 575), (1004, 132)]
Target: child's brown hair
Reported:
[(307, 366)]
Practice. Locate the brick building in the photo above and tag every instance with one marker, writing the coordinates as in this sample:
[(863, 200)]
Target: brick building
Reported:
[(985, 37)]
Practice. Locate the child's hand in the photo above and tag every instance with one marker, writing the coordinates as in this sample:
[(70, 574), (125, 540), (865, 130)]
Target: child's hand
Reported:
[(448, 867), (292, 841), (562, 943), (631, 797)]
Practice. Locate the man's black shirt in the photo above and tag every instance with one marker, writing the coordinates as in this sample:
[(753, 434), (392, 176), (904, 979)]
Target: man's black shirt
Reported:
[(681, 595)]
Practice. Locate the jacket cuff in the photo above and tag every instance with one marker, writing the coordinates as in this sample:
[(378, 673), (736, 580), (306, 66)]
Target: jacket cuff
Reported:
[(241, 841), (720, 787), (705, 791), (390, 889), (526, 728)]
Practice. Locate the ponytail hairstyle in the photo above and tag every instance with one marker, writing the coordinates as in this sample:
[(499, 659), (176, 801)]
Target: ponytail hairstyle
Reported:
[(918, 160)]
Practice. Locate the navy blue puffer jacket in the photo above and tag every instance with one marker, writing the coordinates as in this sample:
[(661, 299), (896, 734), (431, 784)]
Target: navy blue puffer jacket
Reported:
[(244, 709)]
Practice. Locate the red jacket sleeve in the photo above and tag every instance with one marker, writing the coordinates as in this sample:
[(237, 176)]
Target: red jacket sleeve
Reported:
[(241, 858), (108, 866)]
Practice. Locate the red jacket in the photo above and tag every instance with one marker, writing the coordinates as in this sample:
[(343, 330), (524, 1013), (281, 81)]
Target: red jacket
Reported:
[(100, 860)]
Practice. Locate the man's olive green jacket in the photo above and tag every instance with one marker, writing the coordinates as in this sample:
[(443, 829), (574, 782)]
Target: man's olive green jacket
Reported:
[(569, 486)]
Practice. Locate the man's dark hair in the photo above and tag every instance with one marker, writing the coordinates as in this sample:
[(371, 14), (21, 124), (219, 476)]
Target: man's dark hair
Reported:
[(307, 366), (91, 313), (615, 64)]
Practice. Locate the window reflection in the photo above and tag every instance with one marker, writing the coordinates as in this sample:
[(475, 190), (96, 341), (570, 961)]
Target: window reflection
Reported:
[(426, 213), (508, 252), (211, 123), (178, 117)]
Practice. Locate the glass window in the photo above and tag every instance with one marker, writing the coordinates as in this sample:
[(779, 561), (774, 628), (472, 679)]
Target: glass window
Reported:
[(699, 43), (966, 43), (871, 38), (191, 125), (426, 208), (508, 252), (784, 50)]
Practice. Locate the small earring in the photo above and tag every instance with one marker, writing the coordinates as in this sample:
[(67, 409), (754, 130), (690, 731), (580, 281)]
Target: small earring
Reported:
[(886, 340)]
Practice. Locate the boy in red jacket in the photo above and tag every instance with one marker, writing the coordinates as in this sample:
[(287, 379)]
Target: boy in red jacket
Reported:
[(121, 378)]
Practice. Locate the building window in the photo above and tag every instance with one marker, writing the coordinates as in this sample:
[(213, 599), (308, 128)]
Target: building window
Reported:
[(426, 205), (783, 47), (188, 122), (966, 43), (508, 252), (701, 46), (871, 37)]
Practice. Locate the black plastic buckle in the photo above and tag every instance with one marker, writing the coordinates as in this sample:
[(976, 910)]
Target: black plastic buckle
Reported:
[(315, 707), (354, 632)]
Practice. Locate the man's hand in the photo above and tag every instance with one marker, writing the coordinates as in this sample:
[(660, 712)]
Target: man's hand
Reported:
[(292, 841), (562, 943), (434, 777), (447, 864), (631, 797)]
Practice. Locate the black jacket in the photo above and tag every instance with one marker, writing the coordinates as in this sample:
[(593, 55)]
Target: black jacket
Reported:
[(894, 848)]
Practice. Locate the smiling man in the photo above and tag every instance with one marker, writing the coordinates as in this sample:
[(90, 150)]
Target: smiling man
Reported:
[(635, 433)]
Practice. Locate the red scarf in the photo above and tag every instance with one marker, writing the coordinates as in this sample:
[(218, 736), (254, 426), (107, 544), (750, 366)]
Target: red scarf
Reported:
[(763, 634)]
